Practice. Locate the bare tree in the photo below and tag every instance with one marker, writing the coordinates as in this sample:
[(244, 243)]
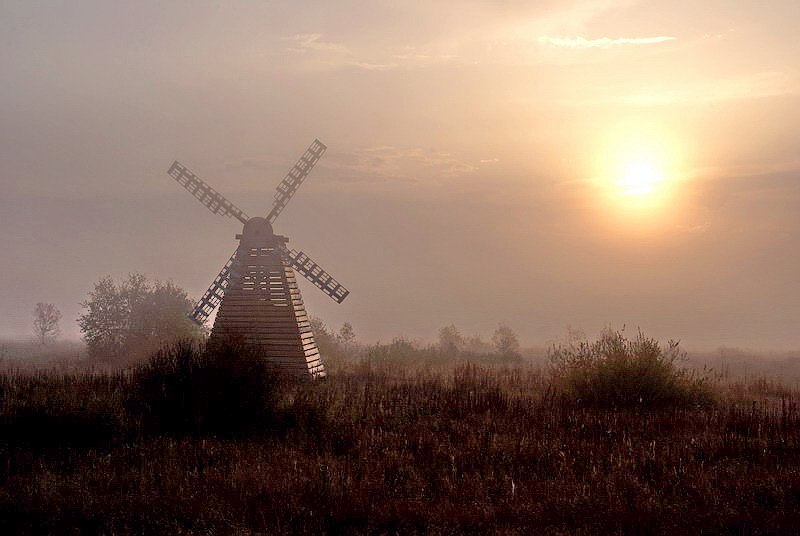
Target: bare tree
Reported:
[(45, 322)]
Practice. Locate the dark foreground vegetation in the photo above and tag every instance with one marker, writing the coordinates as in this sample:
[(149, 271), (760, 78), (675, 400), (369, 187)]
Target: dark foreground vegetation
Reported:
[(207, 441)]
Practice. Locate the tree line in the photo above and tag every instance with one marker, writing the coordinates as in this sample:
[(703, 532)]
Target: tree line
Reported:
[(125, 321)]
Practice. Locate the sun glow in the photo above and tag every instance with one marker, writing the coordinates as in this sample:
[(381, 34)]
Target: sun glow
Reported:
[(637, 173)]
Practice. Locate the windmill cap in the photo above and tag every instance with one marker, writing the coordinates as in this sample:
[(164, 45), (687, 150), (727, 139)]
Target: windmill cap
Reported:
[(257, 229)]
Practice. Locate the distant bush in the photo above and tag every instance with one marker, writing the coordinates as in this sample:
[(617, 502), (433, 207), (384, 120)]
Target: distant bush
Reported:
[(190, 389), (401, 352), (621, 373)]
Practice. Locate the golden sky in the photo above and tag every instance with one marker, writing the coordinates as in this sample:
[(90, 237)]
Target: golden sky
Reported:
[(544, 164)]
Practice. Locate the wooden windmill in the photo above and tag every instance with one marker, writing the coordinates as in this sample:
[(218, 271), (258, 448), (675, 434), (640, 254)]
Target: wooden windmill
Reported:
[(256, 291)]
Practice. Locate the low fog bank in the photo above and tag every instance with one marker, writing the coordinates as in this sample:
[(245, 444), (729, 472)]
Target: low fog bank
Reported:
[(341, 348)]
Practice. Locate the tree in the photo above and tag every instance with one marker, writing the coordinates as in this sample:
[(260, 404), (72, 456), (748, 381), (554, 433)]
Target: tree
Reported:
[(128, 321), (505, 341), (476, 346), (574, 335), (327, 340), (45, 322), (451, 341), (346, 334)]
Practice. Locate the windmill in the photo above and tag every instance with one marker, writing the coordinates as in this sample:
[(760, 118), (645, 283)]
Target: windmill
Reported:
[(256, 291)]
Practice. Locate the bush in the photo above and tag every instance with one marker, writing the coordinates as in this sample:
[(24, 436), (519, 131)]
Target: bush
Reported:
[(621, 373), (401, 351), (189, 389)]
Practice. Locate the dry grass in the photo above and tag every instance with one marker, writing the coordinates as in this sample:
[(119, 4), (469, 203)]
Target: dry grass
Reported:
[(377, 449)]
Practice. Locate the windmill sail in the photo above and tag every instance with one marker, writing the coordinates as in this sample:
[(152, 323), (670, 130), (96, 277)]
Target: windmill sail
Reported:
[(213, 296), (314, 273), (212, 199), (295, 178)]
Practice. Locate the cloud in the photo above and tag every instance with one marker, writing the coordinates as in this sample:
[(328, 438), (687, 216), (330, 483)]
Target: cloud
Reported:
[(497, 36), (319, 53), (413, 56), (302, 43), (695, 229), (388, 163), (752, 86), (370, 58), (724, 187), (603, 42), (458, 169)]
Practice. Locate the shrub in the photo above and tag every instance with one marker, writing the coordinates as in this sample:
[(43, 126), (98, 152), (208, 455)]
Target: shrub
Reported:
[(189, 389), (621, 373), (401, 351)]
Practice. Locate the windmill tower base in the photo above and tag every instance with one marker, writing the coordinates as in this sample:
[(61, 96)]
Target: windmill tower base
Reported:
[(263, 307)]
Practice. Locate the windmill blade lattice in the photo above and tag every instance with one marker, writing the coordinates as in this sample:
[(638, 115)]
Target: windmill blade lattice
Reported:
[(213, 296), (314, 273), (212, 199), (295, 178)]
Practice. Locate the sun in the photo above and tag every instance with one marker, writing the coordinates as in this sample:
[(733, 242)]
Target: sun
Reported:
[(638, 175), (640, 178)]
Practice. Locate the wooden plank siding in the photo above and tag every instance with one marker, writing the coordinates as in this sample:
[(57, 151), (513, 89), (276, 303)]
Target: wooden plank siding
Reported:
[(263, 307)]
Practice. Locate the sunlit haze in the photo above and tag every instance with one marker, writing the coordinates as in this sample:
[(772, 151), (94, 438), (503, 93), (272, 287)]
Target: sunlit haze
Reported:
[(577, 163)]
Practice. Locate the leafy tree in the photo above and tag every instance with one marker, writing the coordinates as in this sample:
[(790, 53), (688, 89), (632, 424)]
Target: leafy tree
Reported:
[(505, 341), (326, 339), (45, 322), (451, 341), (130, 320), (346, 335), (476, 346), (575, 335)]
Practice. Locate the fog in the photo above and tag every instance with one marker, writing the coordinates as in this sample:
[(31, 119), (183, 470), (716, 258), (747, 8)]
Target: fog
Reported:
[(461, 179)]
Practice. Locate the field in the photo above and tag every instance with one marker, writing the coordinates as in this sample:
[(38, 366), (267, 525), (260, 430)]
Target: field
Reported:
[(390, 443)]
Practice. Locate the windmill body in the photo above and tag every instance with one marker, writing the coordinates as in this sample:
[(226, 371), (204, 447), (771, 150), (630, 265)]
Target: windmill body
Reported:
[(256, 291)]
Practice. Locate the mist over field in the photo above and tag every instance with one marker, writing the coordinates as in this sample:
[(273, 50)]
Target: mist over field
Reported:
[(545, 164)]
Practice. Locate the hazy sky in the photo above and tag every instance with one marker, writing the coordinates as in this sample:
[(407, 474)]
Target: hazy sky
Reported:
[(477, 163)]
